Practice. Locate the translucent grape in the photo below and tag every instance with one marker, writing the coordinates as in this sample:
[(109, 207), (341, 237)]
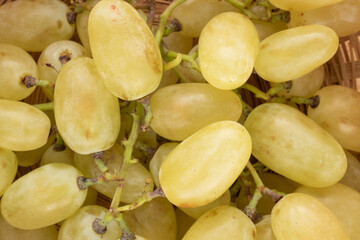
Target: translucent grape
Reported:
[(265, 29), (53, 155), (263, 229), (178, 43), (183, 223), (8, 169), (352, 175), (301, 5)]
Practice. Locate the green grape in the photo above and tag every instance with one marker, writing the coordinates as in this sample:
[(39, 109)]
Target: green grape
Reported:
[(183, 223), (15, 64), (168, 78), (22, 126), (182, 109), (338, 114), (291, 144), (191, 74), (263, 229), (266, 203), (292, 53), (121, 44), (223, 222), (178, 43), (352, 175), (53, 155), (87, 114), (343, 17), (195, 14), (304, 86), (228, 46), (199, 211), (265, 29), (113, 159), (154, 220), (201, 168), (34, 24), (343, 201), (302, 5), (43, 197), (299, 216), (79, 225), (159, 156), (51, 55), (8, 169)]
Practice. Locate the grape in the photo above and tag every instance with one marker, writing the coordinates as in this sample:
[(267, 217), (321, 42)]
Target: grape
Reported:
[(51, 55), (178, 43), (263, 229), (223, 222), (91, 198), (305, 86), (228, 46), (22, 126), (292, 53), (342, 17), (194, 14), (34, 24), (291, 144), (352, 175), (121, 44), (158, 158), (8, 169), (183, 223), (79, 225), (199, 211), (191, 74), (201, 168), (299, 216), (265, 29), (87, 114), (168, 78), (15, 64), (52, 155), (182, 109), (338, 114), (154, 220), (43, 197), (301, 5)]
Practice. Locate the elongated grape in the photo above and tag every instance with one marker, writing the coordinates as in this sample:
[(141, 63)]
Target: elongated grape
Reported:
[(263, 229), (291, 144), (228, 46), (223, 222), (292, 53), (22, 126), (8, 169), (15, 64), (195, 14), (33, 32), (338, 114), (204, 166), (121, 44), (342, 17), (302, 5), (54, 155), (265, 29), (352, 175), (299, 216), (43, 197), (87, 114), (343, 201), (79, 225), (182, 109)]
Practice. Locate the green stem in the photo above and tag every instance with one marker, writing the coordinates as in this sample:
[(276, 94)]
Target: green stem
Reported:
[(99, 162), (258, 93), (236, 3), (284, 85), (180, 74), (45, 106), (148, 113), (185, 57), (173, 63), (126, 233), (59, 144)]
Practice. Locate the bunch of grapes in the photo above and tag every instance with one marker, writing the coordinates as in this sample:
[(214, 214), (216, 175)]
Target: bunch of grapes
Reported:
[(146, 133)]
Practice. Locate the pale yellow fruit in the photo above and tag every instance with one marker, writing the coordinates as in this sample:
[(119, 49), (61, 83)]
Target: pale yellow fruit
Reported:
[(183, 223), (264, 230), (352, 175), (8, 169), (265, 29), (301, 5), (53, 155)]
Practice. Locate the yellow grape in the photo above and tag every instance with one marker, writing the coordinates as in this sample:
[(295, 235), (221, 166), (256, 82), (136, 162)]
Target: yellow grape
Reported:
[(291, 144), (352, 175), (53, 155), (154, 220), (182, 109), (302, 5), (168, 78), (343, 17), (228, 46), (195, 14), (265, 29), (87, 114), (34, 24), (51, 55), (299, 216), (183, 223), (294, 52), (121, 44), (159, 156), (22, 126), (223, 222), (8, 169), (178, 43), (15, 64), (201, 168), (43, 197), (199, 211), (263, 229), (304, 86), (338, 113), (79, 225), (343, 201)]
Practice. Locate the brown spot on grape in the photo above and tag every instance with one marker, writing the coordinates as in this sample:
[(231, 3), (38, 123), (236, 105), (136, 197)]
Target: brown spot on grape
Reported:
[(88, 134), (264, 45), (272, 138), (276, 212), (2, 54), (3, 164), (59, 24), (115, 9), (152, 59), (253, 233), (212, 213)]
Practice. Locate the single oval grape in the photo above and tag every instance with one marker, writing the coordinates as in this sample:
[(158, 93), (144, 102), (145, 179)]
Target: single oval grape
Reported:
[(8, 169), (302, 5)]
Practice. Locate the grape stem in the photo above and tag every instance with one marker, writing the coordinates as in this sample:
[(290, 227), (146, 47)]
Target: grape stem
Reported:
[(187, 58), (59, 143), (99, 162), (45, 106), (145, 125), (173, 63)]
